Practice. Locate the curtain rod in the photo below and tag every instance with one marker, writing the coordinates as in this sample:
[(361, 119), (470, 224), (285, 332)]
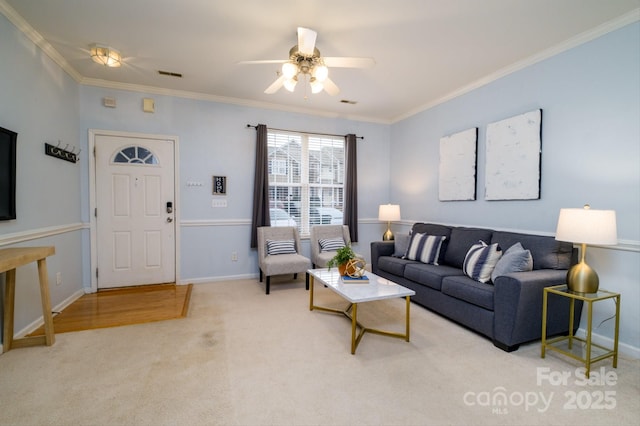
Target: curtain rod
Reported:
[(306, 133)]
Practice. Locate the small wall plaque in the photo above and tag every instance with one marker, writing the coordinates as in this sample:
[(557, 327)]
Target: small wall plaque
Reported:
[(219, 185)]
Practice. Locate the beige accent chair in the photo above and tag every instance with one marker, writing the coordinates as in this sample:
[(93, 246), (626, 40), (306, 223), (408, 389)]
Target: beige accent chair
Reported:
[(280, 264), (319, 259)]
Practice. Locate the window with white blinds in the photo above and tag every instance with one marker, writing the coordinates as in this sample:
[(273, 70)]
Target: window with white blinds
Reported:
[(306, 179)]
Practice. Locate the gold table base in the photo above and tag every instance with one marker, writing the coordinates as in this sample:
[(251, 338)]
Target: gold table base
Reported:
[(566, 345), (351, 312)]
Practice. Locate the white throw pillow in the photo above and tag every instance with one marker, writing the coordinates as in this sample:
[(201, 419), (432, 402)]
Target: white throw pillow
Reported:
[(480, 261), (330, 244), (275, 247), (425, 248)]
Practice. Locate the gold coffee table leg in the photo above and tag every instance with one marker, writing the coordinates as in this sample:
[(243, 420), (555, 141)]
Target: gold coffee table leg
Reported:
[(310, 292), (354, 323)]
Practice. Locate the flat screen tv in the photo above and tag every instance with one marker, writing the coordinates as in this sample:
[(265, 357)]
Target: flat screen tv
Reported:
[(7, 174)]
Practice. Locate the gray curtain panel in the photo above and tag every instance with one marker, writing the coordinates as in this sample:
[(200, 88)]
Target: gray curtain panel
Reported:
[(351, 187), (260, 216)]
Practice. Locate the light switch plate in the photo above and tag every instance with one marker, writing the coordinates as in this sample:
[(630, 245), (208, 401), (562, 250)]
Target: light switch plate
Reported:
[(148, 105), (219, 202)]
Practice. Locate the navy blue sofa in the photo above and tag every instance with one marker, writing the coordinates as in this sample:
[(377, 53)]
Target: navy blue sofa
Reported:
[(509, 310)]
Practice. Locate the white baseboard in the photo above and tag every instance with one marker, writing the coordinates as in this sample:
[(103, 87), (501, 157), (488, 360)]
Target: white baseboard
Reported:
[(626, 350), (202, 280), (39, 322)]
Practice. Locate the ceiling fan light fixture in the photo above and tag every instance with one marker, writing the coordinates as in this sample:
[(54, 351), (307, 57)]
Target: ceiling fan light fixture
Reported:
[(321, 72), (105, 55), (290, 84), (316, 86), (289, 70)]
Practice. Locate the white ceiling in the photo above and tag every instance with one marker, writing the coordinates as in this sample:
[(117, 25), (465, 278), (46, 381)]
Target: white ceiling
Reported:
[(425, 50)]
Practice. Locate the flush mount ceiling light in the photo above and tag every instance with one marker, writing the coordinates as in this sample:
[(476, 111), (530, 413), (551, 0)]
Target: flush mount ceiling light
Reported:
[(305, 63), (105, 55)]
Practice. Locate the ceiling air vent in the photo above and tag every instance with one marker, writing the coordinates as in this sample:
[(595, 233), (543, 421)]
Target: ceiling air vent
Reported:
[(346, 101), (170, 74)]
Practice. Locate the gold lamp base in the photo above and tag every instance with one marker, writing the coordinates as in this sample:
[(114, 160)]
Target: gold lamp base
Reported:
[(581, 278), (388, 235)]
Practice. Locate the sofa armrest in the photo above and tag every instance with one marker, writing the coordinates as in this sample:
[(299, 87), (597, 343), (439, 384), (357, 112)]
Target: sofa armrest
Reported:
[(380, 248), (518, 306)]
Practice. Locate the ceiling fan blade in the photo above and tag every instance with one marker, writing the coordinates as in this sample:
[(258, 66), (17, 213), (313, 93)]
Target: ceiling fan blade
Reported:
[(330, 87), (306, 41), (266, 61), (275, 86), (348, 62)]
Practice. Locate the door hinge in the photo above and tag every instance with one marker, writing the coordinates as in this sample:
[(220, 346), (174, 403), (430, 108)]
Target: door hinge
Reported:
[(95, 212), (96, 272)]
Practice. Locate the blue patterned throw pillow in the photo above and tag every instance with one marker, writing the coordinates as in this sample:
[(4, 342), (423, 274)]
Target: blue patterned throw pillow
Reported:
[(480, 261), (425, 248), (281, 247)]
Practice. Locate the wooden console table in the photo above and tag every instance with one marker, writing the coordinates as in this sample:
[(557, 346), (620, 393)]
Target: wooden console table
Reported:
[(10, 259)]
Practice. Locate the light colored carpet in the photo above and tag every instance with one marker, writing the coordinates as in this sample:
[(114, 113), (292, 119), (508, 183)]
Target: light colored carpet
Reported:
[(241, 357)]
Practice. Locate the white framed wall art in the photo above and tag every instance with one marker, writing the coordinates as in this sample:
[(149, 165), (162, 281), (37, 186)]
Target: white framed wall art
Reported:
[(513, 155), (457, 168)]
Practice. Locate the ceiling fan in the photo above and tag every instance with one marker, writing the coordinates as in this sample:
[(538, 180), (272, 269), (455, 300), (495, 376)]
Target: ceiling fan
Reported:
[(305, 63)]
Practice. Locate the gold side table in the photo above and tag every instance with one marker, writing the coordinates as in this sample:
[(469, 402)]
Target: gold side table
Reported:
[(565, 344)]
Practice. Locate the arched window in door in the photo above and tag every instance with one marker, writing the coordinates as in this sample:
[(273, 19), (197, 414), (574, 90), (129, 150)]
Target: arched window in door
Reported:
[(135, 155)]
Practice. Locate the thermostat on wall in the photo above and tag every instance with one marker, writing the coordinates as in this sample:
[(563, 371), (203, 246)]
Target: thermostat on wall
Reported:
[(109, 102)]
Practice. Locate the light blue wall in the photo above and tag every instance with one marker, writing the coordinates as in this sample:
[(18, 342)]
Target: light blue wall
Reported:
[(590, 139), (214, 140), (590, 97), (39, 101)]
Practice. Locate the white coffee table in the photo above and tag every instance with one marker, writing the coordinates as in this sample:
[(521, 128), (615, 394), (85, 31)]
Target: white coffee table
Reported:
[(377, 288)]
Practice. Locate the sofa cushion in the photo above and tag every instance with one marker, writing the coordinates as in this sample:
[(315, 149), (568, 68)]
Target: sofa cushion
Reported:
[(514, 259), (401, 244), (480, 261), (547, 253), (429, 275), (425, 248), (393, 265), (471, 291), (461, 241)]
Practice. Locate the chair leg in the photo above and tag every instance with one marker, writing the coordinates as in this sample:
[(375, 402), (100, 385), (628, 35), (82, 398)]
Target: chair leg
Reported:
[(295, 276), (260, 275), (268, 283), (306, 280)]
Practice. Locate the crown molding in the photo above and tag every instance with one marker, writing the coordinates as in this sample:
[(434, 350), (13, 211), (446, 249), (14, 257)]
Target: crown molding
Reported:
[(599, 31), (222, 99), (38, 40)]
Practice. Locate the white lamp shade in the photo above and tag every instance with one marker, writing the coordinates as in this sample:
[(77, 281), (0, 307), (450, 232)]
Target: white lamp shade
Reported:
[(316, 86), (321, 72), (289, 70), (389, 212), (586, 226), (290, 84)]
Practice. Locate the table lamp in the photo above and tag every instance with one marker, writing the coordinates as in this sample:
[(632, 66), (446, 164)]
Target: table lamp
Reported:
[(585, 226), (388, 213)]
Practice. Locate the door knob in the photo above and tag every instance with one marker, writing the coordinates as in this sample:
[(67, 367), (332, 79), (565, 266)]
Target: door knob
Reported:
[(169, 219)]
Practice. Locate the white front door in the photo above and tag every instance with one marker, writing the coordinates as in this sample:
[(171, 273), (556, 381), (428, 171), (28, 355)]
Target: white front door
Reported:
[(134, 211)]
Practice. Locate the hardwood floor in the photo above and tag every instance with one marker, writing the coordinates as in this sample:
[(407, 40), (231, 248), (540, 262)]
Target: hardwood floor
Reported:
[(123, 306)]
